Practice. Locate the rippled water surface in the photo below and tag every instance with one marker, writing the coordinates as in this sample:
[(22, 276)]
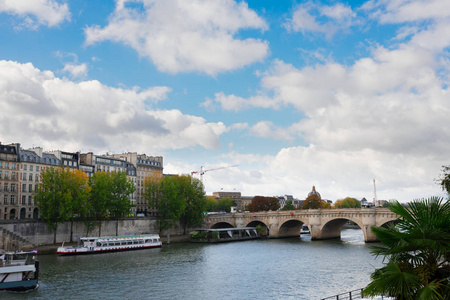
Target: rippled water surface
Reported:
[(295, 268)]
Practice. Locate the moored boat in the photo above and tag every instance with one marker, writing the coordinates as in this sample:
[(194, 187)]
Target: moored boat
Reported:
[(304, 230), (112, 244), (19, 271)]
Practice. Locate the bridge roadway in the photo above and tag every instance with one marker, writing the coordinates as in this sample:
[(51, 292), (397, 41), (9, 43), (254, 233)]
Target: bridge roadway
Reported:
[(323, 223)]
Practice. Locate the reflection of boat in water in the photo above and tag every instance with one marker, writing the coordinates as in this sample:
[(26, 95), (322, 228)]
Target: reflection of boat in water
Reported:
[(304, 229), (112, 244), (19, 271)]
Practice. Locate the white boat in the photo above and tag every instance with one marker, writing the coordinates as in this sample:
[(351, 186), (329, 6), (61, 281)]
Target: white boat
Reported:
[(19, 271), (111, 244), (304, 230)]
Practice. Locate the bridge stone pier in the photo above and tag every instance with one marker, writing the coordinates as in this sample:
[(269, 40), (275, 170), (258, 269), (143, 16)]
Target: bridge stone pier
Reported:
[(322, 223)]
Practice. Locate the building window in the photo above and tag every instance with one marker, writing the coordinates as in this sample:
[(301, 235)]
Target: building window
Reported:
[(25, 167), (13, 165), (13, 187), (0, 174), (5, 200), (13, 199), (31, 177), (24, 188), (37, 169), (24, 176), (6, 175), (30, 187), (5, 187), (24, 200), (13, 175), (1, 164), (29, 200), (6, 165)]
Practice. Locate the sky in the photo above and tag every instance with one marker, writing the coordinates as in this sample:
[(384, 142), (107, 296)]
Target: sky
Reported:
[(270, 97)]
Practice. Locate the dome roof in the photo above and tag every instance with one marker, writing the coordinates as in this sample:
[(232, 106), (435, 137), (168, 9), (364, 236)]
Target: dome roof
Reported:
[(314, 192)]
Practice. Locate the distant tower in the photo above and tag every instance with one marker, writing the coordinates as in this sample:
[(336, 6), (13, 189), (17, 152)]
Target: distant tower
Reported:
[(374, 193)]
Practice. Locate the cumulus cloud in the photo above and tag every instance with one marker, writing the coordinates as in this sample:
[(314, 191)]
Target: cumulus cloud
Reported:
[(185, 36), (323, 19), (52, 112), (76, 70), (385, 117), (37, 12)]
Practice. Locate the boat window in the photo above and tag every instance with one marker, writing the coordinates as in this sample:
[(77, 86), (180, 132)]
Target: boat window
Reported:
[(99, 244)]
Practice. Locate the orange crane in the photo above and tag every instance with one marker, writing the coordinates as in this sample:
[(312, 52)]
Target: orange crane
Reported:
[(202, 172)]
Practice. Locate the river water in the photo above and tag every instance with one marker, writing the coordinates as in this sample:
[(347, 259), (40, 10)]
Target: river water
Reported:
[(295, 268)]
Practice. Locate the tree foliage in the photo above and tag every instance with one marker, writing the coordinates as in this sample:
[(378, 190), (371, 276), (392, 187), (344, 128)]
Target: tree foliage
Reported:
[(314, 202), (54, 197), (260, 203), (348, 203), (175, 198), (417, 250), (288, 206), (445, 179)]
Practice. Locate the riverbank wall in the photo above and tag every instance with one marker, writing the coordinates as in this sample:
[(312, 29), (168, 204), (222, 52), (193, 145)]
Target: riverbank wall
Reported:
[(20, 234)]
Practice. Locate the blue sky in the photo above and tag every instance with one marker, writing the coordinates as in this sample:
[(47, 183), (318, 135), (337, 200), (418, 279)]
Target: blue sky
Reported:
[(297, 93)]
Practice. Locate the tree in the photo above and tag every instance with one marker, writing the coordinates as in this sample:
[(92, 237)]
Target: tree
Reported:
[(162, 194), (54, 197), (288, 206), (445, 179), (100, 183), (260, 203), (224, 204), (119, 205), (191, 191), (314, 202), (80, 190), (417, 250), (348, 203)]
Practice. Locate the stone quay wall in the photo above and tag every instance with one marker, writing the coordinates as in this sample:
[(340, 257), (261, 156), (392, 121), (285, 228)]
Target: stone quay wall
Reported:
[(18, 234)]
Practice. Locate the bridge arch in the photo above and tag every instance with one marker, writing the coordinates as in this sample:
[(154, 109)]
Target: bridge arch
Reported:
[(255, 223), (333, 228), (291, 228), (221, 225)]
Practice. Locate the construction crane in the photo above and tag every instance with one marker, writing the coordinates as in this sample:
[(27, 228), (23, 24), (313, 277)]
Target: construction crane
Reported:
[(202, 171)]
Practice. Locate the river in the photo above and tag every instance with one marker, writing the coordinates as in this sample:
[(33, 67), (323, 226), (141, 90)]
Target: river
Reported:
[(295, 268)]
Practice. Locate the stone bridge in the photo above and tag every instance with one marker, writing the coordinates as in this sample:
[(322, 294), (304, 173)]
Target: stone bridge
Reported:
[(323, 223)]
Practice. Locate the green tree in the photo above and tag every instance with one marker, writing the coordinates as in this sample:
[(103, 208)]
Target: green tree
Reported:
[(54, 197), (211, 204), (191, 191), (260, 203), (417, 250), (100, 183), (288, 206), (119, 204), (224, 204), (80, 190), (348, 203), (445, 179), (162, 193)]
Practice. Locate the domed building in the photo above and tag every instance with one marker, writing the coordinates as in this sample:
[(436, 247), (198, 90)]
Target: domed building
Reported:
[(314, 192)]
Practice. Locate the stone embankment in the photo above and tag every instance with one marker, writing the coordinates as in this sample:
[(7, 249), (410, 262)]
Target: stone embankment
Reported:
[(34, 234)]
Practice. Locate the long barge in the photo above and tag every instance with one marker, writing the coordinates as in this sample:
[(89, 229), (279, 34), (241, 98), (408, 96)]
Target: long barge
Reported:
[(92, 245)]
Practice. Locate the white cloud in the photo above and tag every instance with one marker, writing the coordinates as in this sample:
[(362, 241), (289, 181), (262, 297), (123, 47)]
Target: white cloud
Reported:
[(53, 112), (76, 70), (323, 19), (37, 12), (267, 129), (400, 11), (383, 117), (186, 36)]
